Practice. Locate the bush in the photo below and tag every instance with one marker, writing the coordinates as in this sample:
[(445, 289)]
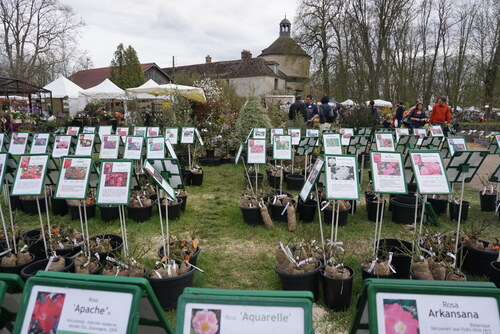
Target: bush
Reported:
[(252, 115)]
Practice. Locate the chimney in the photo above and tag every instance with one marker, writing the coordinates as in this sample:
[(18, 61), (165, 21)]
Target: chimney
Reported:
[(245, 54), (208, 59)]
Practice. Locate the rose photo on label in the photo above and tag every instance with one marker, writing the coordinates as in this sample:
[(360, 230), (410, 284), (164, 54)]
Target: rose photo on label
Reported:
[(132, 146), (389, 168), (400, 316), (61, 144), (118, 179), (75, 173), (255, 148), (108, 168), (430, 168), (19, 140), (109, 144), (40, 141), (46, 313), (343, 173), (32, 173), (205, 321)]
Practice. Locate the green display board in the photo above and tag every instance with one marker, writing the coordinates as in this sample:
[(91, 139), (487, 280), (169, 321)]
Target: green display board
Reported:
[(407, 142), (358, 144), (170, 170), (241, 311), (465, 164), (11, 288)]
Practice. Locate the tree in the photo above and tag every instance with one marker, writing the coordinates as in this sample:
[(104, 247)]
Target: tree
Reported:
[(252, 115), (35, 37), (126, 69)]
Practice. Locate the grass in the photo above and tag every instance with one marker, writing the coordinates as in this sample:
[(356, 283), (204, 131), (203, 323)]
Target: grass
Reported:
[(239, 256)]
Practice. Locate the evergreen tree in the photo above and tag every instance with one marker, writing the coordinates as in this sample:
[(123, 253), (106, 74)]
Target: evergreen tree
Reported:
[(252, 115), (126, 69)]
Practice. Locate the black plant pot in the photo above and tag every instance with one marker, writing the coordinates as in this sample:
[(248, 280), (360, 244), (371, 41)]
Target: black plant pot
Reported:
[(168, 290), (252, 216), (487, 202), (276, 212), (192, 259), (15, 203), (139, 214), (401, 255), (274, 181), (354, 206), (300, 282), (59, 206), (495, 273), (365, 275), (30, 206), (31, 269), (343, 216), (186, 177), (477, 261), (403, 213), (35, 244), (455, 208), (109, 212), (116, 243), (294, 181), (337, 292), (369, 197), (439, 205), (209, 153), (75, 213), (67, 251), (251, 176), (371, 209), (196, 179), (174, 210), (184, 201), (16, 269), (307, 210), (3, 242)]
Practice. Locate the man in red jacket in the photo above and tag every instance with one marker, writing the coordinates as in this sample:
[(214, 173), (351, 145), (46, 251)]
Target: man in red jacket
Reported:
[(441, 114)]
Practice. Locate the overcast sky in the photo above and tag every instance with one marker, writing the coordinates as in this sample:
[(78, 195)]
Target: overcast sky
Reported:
[(186, 29)]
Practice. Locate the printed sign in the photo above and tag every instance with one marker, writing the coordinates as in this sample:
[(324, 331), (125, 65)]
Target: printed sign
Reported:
[(18, 142), (109, 147), (295, 133), (61, 146), (276, 131), (30, 175), (73, 178), (2, 139), (259, 133), (140, 131), (153, 131), (172, 135), (347, 133), (388, 172), (456, 144), (105, 129), (332, 143), (85, 144), (73, 130), (133, 147), (282, 147), (341, 177), (159, 180), (122, 132), (421, 133), (429, 172), (311, 179), (312, 133), (436, 131), (67, 310), (3, 168), (114, 182), (401, 132), (436, 314), (155, 148), (88, 129), (40, 143), (187, 135), (256, 151), (198, 136), (384, 142)]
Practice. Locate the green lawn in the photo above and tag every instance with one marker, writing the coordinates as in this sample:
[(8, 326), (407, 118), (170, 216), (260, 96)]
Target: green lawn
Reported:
[(238, 256)]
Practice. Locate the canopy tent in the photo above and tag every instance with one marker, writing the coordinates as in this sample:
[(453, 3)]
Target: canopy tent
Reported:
[(105, 90), (380, 103), (67, 92), (193, 93), (11, 86), (348, 103), (150, 84)]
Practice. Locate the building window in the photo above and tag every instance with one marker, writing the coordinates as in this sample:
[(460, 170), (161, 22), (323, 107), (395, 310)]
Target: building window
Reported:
[(275, 84)]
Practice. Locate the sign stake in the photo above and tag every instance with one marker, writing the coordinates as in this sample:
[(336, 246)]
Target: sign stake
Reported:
[(41, 225), (7, 195), (460, 213), (376, 226), (337, 220), (248, 176), (86, 224), (161, 224), (167, 227), (320, 222), (380, 225)]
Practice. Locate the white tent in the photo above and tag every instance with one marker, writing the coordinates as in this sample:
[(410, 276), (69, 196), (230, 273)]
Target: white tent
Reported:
[(67, 91), (105, 90), (193, 93), (380, 103), (150, 84), (348, 103)]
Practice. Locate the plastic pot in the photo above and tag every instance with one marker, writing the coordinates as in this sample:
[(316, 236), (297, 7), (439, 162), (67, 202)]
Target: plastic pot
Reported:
[(192, 259), (196, 179), (343, 216), (252, 216), (59, 206), (251, 175), (365, 275), (16, 269), (184, 201), (31, 269), (337, 292), (139, 214), (307, 210), (168, 290), (495, 273), (371, 209), (75, 213), (487, 202), (276, 212), (294, 181), (403, 213), (67, 251), (186, 177), (15, 203), (35, 244), (454, 209), (116, 243), (209, 153), (109, 212), (439, 205), (477, 261), (174, 210), (401, 260), (30, 206), (368, 197), (274, 181), (300, 282), (3, 242)]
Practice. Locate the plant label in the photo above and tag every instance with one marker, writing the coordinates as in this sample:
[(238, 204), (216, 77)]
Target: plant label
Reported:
[(347, 133), (259, 133), (238, 154), (133, 147), (464, 165), (122, 132), (170, 149), (3, 168), (388, 172), (312, 133), (30, 175), (282, 147), (187, 135), (421, 133), (401, 132), (140, 131), (341, 177), (109, 147), (61, 146), (2, 139), (436, 131), (40, 143), (276, 131), (332, 143), (18, 142), (384, 142), (73, 130), (114, 182), (172, 135), (105, 129), (256, 151), (312, 178), (153, 131), (429, 172), (295, 133), (199, 136), (155, 148), (456, 144), (85, 144), (149, 168), (73, 178), (89, 129)]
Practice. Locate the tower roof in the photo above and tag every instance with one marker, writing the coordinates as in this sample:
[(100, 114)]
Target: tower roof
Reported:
[(284, 45)]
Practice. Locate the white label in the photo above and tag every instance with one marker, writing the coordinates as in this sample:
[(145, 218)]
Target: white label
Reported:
[(18, 142), (295, 133), (238, 155), (88, 129), (341, 177), (259, 133), (436, 130), (73, 178), (40, 143), (156, 148), (114, 182), (282, 147), (133, 148), (332, 143), (312, 133), (3, 161), (160, 180), (109, 147), (122, 132), (436, 314), (153, 131), (242, 319), (385, 142), (456, 144), (105, 129), (347, 133), (256, 151), (430, 174), (421, 133), (140, 131), (401, 132), (76, 310), (187, 135), (311, 179), (388, 172), (85, 144), (172, 134), (170, 149), (30, 175), (73, 130), (61, 146)]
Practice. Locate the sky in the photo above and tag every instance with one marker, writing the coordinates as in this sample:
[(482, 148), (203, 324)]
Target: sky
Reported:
[(186, 29)]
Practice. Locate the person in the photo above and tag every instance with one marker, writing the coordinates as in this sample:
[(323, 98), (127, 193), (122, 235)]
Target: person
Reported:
[(387, 121), (398, 118), (326, 114), (312, 110), (376, 115), (441, 114), (297, 107), (417, 116)]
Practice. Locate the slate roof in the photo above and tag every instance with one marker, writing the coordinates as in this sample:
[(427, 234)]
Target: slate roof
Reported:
[(284, 45), (253, 67)]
